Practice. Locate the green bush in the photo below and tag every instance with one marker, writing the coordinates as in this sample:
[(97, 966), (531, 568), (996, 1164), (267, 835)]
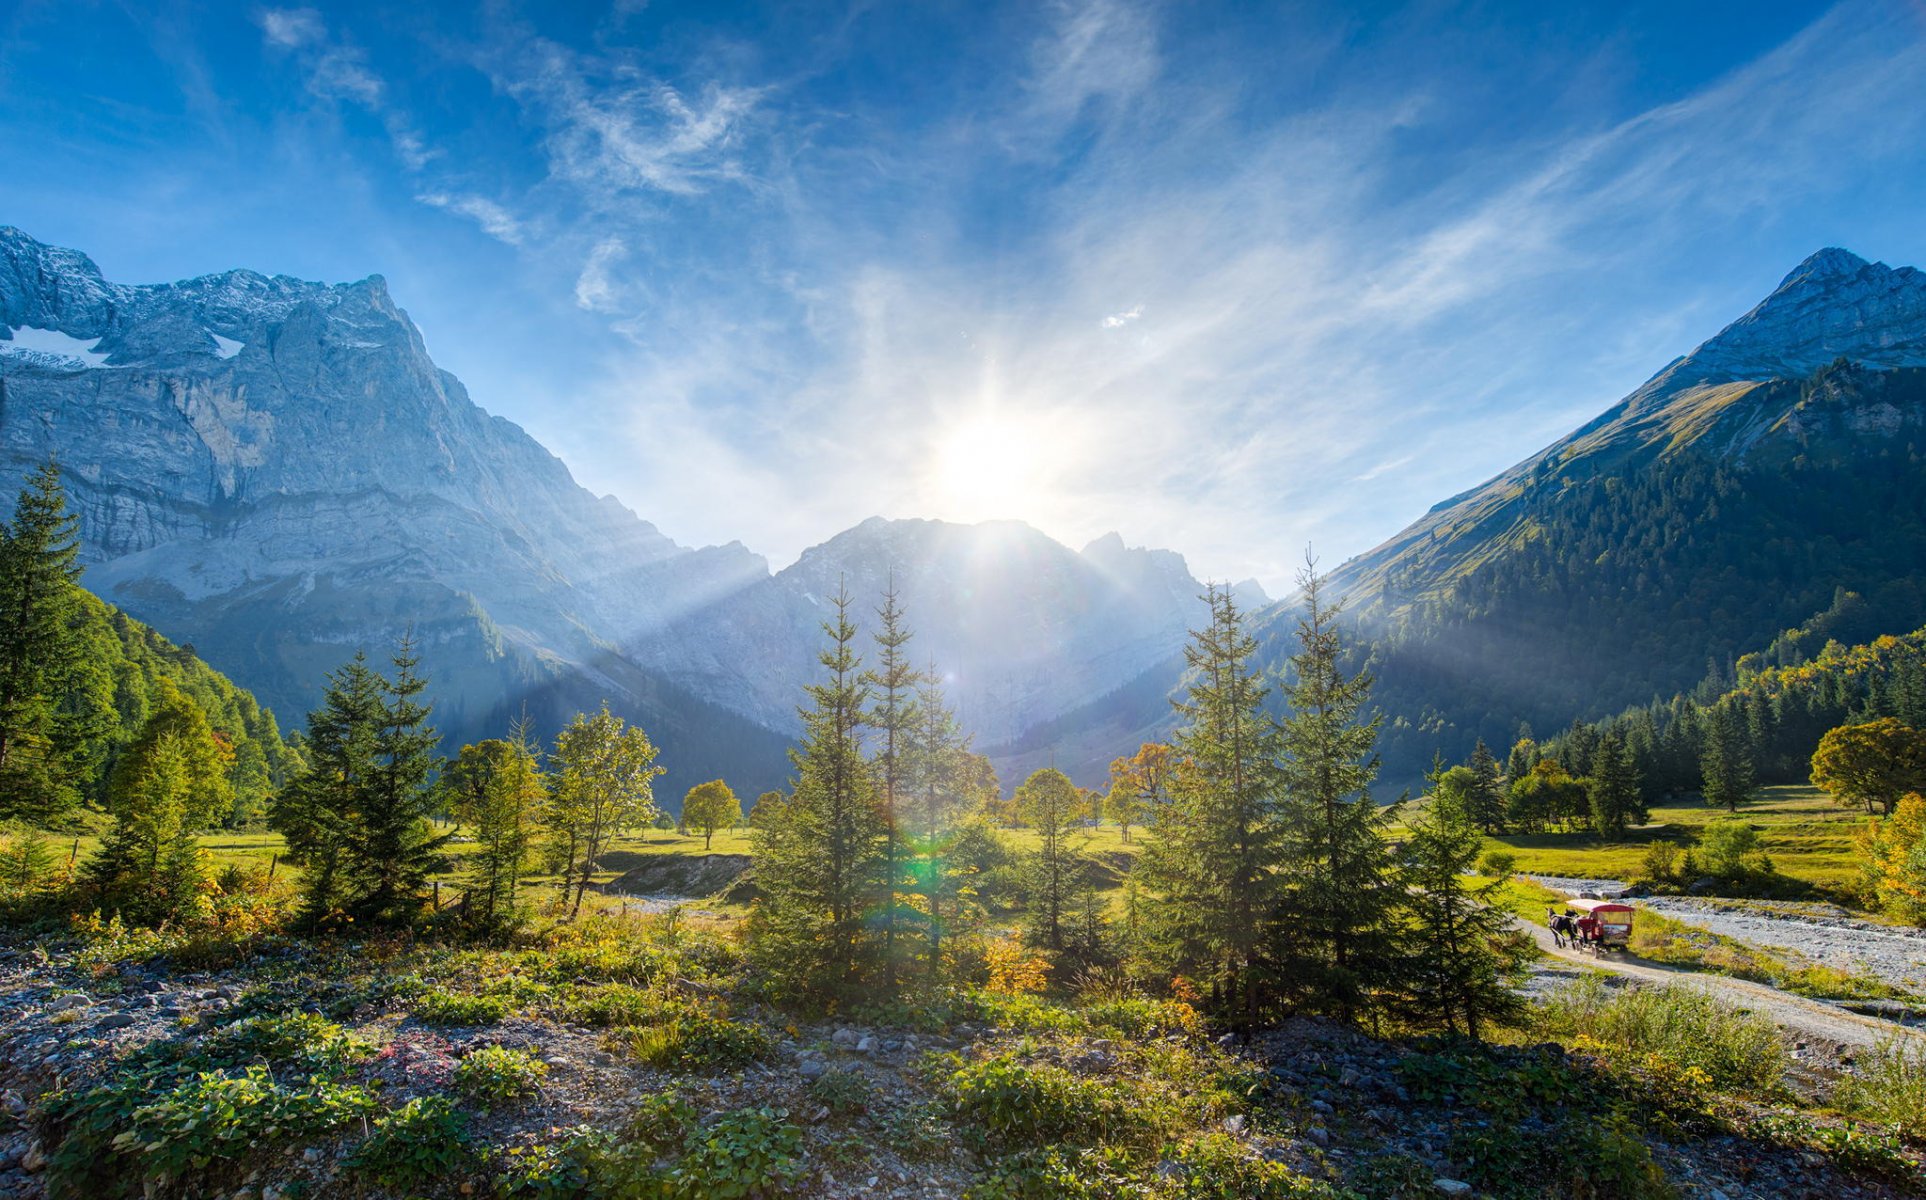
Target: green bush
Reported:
[(747, 1153), (303, 1039), (148, 1131), (697, 1041), (1888, 1088), (453, 1008), (423, 1141), (844, 1093), (1217, 1167), (1681, 1027), (1059, 1173), (1014, 1104), (493, 1074), (615, 1005)]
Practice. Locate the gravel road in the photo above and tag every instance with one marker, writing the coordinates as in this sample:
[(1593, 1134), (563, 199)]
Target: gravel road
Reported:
[(1807, 1020), (1823, 933)]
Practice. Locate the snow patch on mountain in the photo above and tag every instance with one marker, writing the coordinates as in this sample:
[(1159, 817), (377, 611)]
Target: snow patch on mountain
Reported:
[(51, 343)]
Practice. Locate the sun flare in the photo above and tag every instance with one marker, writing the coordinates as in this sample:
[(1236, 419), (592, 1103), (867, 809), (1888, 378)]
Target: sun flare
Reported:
[(990, 466)]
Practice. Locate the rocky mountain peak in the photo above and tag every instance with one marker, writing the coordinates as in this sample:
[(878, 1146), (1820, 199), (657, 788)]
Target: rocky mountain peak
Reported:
[(1833, 305)]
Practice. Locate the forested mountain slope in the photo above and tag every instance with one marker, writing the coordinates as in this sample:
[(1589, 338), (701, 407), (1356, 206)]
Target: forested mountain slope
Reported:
[(1729, 498)]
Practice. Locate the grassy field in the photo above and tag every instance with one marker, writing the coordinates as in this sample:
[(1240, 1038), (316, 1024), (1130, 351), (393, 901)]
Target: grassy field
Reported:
[(1808, 837)]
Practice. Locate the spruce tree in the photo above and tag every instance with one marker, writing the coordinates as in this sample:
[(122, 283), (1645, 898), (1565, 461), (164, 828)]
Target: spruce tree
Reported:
[(820, 861), (1613, 789), (394, 848), (149, 863), (893, 721), (1463, 960), (39, 652), (1725, 761), (1488, 794), (1337, 945), (940, 761), (1212, 871), (1050, 805), (318, 812)]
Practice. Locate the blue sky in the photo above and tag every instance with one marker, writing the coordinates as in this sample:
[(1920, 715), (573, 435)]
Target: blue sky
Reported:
[(1231, 279)]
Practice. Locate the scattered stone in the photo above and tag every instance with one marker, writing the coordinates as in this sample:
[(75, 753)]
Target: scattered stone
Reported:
[(1234, 1123), (115, 1021), (35, 1159), (867, 1045), (1451, 1187)]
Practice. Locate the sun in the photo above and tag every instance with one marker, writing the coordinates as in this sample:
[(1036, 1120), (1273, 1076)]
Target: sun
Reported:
[(990, 465)]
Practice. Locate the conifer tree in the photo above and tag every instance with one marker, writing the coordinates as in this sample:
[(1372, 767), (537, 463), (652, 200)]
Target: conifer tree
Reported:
[(820, 861), (1613, 789), (602, 789), (318, 813), (149, 864), (944, 777), (1462, 960), (1488, 793), (1050, 804), (394, 848), (1212, 870), (497, 791), (39, 653), (1337, 944), (1726, 760), (893, 721)]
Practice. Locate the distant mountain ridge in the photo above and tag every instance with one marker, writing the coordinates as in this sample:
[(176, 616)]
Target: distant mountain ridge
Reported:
[(275, 471), (1727, 499)]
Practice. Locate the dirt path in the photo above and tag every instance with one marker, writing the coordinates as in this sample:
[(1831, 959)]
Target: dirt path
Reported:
[(1810, 1018)]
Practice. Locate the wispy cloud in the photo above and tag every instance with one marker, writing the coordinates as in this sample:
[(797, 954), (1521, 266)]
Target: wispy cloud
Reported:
[(335, 70), (595, 288), (496, 221), (611, 128)]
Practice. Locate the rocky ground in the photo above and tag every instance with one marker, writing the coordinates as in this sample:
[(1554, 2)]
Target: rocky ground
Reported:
[(1340, 1105)]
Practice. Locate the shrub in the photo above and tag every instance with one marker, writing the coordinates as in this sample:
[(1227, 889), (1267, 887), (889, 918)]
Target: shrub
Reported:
[(302, 1039), (1686, 1027), (1498, 864), (493, 1074), (845, 1093), (615, 1005), (424, 1140), (453, 1008), (1217, 1167), (1660, 861), (1888, 1088), (747, 1153), (1014, 1104), (697, 1041), (147, 1131), (1058, 1173)]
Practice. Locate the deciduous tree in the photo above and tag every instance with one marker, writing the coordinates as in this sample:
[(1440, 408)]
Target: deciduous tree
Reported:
[(1872, 763), (603, 789), (711, 806)]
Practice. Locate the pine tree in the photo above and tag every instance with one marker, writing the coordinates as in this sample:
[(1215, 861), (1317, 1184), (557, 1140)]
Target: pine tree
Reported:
[(941, 766), (1463, 959), (1726, 760), (149, 863), (318, 813), (496, 789), (1613, 789), (394, 848), (1338, 943), (1488, 793), (1050, 804), (820, 862), (602, 789), (893, 721), (39, 654), (1212, 871)]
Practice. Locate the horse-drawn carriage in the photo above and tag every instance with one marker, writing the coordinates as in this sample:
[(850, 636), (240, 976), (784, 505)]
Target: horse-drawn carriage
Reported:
[(1602, 924)]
